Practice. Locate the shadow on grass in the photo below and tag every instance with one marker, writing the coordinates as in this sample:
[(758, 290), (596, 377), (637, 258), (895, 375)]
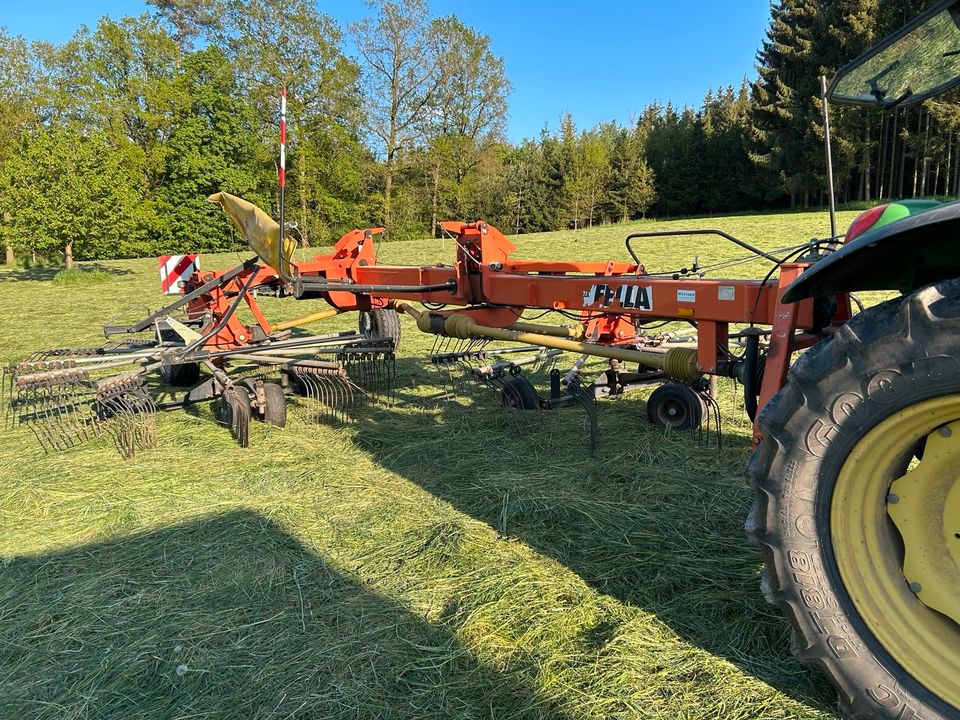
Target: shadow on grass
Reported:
[(227, 617), (654, 520), (49, 272)]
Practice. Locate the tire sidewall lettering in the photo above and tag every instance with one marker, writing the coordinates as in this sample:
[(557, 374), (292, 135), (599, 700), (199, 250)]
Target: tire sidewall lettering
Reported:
[(880, 390)]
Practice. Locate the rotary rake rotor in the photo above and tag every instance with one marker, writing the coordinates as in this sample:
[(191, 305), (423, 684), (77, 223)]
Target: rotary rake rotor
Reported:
[(196, 350), (66, 398)]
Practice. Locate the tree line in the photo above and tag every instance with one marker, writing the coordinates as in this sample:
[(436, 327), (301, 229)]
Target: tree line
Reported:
[(111, 141)]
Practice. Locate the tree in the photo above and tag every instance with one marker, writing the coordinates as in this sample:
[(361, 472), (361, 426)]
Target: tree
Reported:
[(727, 174), (288, 43), (17, 75), (588, 173), (786, 98), (189, 18), (630, 187), (467, 113), (129, 89), (674, 151), (214, 146), (69, 193), (402, 71), (527, 203)]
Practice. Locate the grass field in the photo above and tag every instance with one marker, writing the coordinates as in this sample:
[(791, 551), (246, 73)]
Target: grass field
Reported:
[(425, 560)]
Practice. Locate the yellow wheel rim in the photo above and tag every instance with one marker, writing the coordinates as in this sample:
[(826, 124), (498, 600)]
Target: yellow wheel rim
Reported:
[(885, 544)]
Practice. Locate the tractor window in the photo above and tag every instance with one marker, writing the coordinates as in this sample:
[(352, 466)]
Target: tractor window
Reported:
[(917, 62)]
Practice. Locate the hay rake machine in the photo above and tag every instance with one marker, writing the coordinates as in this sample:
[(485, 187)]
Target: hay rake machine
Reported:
[(473, 306), (67, 396)]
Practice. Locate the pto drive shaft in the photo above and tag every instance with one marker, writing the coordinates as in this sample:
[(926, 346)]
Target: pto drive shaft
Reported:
[(679, 363)]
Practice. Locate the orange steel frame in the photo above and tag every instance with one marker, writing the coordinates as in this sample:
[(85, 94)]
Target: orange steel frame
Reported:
[(613, 299)]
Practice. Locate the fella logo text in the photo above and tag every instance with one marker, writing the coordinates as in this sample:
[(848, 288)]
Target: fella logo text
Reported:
[(629, 296)]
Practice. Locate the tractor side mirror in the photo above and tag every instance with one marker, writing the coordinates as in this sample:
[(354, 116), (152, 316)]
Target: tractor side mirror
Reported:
[(917, 62)]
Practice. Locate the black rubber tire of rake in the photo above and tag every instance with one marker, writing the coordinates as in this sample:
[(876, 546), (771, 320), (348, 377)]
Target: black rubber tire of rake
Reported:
[(180, 374), (518, 394), (886, 359), (381, 323), (236, 400), (679, 397), (275, 405)]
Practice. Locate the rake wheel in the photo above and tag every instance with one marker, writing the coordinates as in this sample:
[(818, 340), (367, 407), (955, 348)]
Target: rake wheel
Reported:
[(275, 405), (518, 394), (676, 406), (235, 412), (181, 374), (858, 507), (381, 323)]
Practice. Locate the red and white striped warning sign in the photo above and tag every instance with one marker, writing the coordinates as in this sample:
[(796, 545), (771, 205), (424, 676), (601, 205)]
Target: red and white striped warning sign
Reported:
[(173, 269)]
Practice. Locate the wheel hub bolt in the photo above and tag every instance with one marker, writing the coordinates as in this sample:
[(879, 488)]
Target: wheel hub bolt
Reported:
[(945, 431), (893, 499), (915, 587)]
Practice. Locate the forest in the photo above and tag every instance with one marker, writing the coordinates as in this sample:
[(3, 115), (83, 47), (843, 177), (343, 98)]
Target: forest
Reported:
[(111, 141)]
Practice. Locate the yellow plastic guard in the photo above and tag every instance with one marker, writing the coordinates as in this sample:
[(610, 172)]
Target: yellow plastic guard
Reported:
[(260, 231)]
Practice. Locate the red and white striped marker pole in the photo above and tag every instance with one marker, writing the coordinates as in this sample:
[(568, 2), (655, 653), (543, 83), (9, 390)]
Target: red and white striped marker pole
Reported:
[(283, 171)]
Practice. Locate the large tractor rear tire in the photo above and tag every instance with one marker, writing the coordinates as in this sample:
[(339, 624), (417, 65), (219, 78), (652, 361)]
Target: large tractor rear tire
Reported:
[(858, 507)]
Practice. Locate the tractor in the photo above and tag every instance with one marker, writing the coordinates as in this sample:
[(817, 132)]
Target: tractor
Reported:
[(857, 476)]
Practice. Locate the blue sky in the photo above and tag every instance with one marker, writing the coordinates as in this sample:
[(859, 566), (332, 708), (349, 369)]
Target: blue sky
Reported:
[(597, 59)]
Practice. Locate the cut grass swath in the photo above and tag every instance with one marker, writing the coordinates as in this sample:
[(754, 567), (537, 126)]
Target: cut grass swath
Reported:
[(426, 560)]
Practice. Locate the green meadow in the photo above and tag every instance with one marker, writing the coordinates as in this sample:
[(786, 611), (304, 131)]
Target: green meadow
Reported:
[(432, 557)]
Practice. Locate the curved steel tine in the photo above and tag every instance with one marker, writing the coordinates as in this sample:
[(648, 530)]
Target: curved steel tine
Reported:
[(328, 398), (131, 398), (344, 395), (128, 423), (391, 377), (51, 412), (352, 392), (328, 395), (69, 405), (307, 393), (55, 412), (40, 414), (241, 424), (324, 398), (313, 401), (369, 382), (338, 400), (345, 398), (108, 407), (323, 395), (146, 414)]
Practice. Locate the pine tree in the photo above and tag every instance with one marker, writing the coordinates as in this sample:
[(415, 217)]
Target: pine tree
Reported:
[(786, 99)]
